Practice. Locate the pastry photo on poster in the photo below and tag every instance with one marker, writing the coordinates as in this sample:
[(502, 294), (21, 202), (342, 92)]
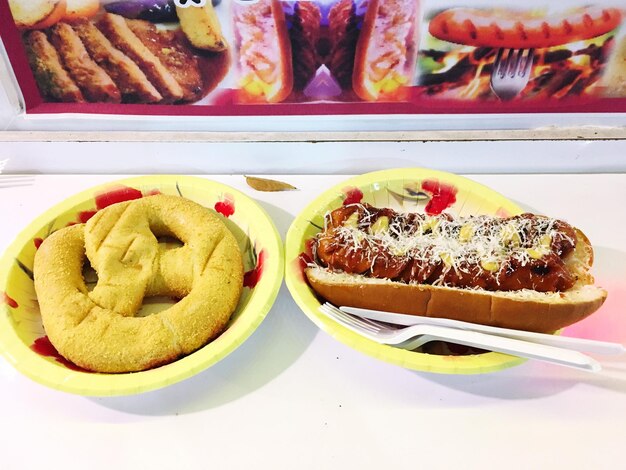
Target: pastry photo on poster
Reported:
[(264, 57)]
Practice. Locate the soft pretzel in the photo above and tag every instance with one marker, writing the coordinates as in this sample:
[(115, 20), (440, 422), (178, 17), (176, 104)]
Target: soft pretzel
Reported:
[(98, 330)]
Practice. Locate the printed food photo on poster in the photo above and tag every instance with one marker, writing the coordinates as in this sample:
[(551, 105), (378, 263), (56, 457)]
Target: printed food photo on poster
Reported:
[(539, 51), (343, 50), (267, 57), (131, 51)]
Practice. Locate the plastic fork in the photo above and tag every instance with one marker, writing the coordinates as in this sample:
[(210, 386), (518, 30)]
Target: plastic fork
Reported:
[(511, 72), (566, 342), (411, 337)]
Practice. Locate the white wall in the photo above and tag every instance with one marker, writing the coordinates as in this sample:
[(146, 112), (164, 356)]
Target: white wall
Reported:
[(316, 158)]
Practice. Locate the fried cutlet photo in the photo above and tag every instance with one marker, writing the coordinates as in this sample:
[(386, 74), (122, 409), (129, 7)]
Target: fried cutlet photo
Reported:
[(102, 57), (131, 81)]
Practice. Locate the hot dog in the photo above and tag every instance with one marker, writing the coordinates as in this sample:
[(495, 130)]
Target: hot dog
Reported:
[(526, 272), (501, 28), (369, 46), (384, 63), (265, 63), (376, 60)]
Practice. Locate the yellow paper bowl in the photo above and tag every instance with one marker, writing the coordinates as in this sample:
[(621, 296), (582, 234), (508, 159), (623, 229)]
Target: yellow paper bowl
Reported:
[(21, 330), (406, 190)]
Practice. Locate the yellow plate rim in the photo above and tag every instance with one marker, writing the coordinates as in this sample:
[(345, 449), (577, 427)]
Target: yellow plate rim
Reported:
[(57, 377), (308, 303)]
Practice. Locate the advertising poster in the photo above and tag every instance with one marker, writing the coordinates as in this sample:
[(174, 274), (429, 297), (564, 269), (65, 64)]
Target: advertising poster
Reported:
[(316, 57)]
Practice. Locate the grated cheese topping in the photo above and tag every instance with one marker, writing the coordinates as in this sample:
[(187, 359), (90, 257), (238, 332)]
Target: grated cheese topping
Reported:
[(484, 243)]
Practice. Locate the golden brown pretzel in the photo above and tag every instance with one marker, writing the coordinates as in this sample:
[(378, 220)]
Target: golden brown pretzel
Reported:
[(98, 330)]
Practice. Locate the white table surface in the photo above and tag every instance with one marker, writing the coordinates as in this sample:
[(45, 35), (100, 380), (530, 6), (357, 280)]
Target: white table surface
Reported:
[(292, 397)]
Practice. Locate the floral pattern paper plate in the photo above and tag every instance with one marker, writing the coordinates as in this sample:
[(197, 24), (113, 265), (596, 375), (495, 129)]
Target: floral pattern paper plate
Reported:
[(405, 190), (23, 341)]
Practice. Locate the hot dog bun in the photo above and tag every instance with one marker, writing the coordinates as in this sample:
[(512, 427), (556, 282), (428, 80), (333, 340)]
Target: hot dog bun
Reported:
[(501, 28), (523, 310)]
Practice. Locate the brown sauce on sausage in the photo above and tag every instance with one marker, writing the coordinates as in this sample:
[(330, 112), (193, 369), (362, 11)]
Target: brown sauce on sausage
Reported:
[(441, 250)]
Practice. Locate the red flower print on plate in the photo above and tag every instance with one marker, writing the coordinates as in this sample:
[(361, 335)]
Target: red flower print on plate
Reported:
[(9, 301), (119, 194), (44, 347), (84, 216), (252, 277), (352, 196), (226, 206), (442, 196), (305, 258), (108, 198)]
